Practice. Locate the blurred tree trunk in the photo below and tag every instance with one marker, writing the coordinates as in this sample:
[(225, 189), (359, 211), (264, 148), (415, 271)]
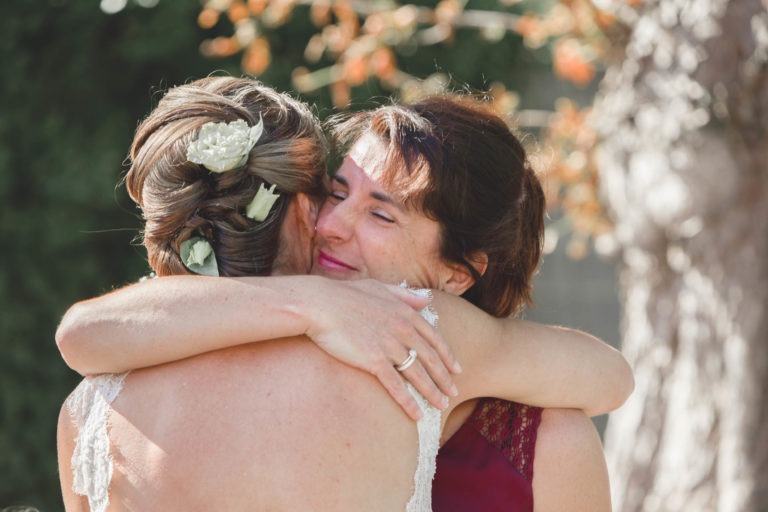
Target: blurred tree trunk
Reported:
[(683, 116)]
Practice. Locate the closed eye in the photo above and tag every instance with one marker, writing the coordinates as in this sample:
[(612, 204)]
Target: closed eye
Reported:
[(384, 217), (339, 188)]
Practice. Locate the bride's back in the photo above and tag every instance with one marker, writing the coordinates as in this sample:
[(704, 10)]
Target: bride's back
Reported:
[(269, 426)]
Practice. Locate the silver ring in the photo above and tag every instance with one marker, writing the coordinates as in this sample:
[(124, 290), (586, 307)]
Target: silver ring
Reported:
[(408, 361)]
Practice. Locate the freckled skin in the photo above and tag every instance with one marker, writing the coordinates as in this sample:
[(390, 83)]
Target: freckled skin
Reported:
[(362, 232)]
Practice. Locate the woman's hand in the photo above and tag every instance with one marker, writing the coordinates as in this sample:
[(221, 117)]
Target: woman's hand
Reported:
[(372, 326)]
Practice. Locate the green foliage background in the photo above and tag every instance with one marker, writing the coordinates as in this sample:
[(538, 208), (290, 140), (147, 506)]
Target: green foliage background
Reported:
[(75, 82)]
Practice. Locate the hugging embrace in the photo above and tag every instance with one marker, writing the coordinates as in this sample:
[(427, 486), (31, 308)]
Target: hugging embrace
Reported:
[(331, 343)]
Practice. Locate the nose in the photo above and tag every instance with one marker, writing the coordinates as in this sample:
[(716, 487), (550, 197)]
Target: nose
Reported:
[(335, 221)]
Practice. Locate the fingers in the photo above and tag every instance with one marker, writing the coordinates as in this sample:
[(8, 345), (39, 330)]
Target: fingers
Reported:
[(404, 294), (394, 382), (422, 381), (429, 375), (436, 359), (395, 386), (435, 340), (389, 326), (427, 330), (431, 372)]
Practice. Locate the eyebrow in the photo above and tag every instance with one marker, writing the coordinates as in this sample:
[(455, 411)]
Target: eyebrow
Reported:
[(379, 196)]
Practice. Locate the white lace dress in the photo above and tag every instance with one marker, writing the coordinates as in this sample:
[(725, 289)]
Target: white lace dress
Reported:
[(92, 465)]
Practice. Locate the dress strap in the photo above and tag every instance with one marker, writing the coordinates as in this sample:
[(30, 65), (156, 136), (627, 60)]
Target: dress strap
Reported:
[(429, 442), (429, 436), (91, 462)]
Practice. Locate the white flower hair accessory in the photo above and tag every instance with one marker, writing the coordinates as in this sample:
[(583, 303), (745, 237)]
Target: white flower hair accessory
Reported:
[(197, 255), (221, 147), (262, 202)]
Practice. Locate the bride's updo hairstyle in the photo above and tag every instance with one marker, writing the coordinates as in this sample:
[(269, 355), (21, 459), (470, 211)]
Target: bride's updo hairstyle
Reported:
[(180, 199)]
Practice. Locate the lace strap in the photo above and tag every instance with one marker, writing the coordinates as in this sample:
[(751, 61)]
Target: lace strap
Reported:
[(429, 443), (91, 463), (510, 427), (429, 435)]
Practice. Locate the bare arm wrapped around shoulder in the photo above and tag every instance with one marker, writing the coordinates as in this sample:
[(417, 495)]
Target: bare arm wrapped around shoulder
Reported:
[(532, 363), (366, 324), (362, 323)]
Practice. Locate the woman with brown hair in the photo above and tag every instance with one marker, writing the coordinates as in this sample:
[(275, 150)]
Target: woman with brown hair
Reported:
[(386, 190)]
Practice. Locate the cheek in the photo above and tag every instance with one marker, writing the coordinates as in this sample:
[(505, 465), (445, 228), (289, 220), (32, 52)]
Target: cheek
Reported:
[(424, 262), (376, 247), (401, 259)]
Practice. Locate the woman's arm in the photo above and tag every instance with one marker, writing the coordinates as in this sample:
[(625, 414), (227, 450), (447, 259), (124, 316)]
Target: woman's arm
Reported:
[(175, 317), (532, 363), (363, 323), (569, 471)]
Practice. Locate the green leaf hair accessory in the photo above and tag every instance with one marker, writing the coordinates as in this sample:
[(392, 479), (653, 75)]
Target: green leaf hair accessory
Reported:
[(197, 255), (221, 147), (259, 207)]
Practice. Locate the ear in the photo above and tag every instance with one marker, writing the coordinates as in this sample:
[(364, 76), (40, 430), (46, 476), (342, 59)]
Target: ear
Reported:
[(458, 278)]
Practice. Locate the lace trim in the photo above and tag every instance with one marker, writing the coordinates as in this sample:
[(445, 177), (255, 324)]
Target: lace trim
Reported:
[(429, 442), (510, 427), (88, 406), (429, 435)]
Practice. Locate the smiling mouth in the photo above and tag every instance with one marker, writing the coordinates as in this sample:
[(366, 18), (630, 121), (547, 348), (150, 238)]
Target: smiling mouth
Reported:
[(330, 263)]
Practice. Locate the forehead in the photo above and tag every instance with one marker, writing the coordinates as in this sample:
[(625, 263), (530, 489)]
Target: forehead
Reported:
[(370, 154), (383, 163)]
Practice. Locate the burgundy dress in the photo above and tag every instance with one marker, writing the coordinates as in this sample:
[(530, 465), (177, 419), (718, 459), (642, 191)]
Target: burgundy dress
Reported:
[(487, 465)]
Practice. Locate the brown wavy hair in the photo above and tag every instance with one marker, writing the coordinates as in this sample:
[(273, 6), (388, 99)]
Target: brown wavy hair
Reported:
[(456, 160), (180, 199)]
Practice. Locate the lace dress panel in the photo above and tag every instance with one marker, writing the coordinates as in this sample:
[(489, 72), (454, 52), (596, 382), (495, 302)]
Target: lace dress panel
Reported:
[(511, 428), (488, 463)]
